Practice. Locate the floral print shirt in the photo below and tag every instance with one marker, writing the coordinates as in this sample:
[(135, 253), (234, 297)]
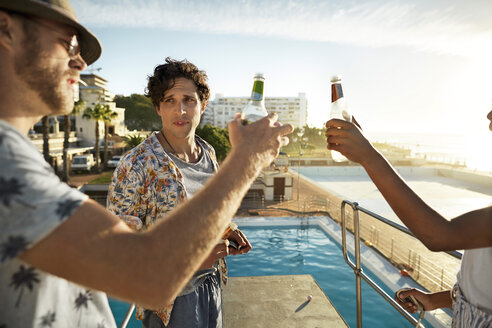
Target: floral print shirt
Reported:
[(146, 186), (33, 203)]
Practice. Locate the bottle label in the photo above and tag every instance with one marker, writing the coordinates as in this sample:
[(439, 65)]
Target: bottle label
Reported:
[(336, 92), (257, 93)]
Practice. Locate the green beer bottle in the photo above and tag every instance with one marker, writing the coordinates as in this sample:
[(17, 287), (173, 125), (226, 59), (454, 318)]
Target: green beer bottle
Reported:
[(255, 109)]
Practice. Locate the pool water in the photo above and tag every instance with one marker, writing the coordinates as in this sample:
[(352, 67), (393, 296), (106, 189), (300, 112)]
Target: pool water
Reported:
[(285, 250), (309, 250)]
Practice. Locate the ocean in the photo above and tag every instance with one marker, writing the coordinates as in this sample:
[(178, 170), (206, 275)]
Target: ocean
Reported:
[(473, 151)]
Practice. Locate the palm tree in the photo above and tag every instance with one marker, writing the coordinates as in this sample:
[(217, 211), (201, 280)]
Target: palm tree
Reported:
[(48, 319), (100, 113), (13, 247), (46, 138), (105, 152), (10, 188), (81, 301), (133, 141), (77, 107), (25, 277)]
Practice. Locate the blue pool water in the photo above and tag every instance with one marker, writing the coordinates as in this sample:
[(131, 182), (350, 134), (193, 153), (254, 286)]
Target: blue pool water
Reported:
[(305, 250), (299, 250)]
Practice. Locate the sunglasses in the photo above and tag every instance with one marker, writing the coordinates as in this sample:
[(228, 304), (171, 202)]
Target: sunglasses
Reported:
[(71, 44)]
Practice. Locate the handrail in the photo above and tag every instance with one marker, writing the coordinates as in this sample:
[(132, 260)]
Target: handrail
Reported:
[(128, 315), (358, 271)]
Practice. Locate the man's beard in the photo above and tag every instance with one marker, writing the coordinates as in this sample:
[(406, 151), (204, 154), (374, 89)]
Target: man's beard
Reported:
[(37, 71)]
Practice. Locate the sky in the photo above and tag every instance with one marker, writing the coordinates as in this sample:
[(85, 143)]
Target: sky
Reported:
[(407, 66)]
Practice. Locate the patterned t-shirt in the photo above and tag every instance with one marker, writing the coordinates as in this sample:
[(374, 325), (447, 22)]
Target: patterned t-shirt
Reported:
[(33, 202)]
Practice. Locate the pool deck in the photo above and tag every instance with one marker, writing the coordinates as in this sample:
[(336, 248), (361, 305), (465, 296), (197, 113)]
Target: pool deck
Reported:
[(278, 301)]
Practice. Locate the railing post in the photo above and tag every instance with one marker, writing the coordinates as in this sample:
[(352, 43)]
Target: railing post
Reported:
[(358, 281), (128, 315), (442, 278), (392, 246), (357, 267)]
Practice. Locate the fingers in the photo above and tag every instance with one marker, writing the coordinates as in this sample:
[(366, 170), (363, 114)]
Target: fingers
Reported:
[(407, 306), (286, 129), (239, 237), (222, 249), (408, 299), (335, 124)]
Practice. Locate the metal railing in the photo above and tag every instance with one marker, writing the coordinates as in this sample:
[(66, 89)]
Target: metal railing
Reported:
[(358, 271), (128, 316)]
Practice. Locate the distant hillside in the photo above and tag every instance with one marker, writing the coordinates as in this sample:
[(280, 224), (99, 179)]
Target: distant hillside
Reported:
[(140, 113)]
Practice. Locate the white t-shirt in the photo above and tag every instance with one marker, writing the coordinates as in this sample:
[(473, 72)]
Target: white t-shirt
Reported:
[(475, 277), (33, 202)]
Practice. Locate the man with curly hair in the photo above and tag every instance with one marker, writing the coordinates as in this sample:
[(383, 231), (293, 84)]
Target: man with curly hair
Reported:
[(165, 169)]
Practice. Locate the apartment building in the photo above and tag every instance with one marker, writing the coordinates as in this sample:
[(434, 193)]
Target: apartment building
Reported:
[(221, 110), (93, 90)]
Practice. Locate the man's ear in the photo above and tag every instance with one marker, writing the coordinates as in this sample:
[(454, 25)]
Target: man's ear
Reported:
[(204, 105), (5, 29)]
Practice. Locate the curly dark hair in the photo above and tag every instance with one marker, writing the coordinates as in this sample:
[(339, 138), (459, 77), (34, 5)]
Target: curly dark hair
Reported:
[(165, 75)]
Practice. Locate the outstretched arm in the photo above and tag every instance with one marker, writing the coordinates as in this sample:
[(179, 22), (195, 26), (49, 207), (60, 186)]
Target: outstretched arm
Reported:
[(96, 249), (470, 230)]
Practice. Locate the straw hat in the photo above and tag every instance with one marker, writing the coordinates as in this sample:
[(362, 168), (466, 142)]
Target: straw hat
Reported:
[(59, 11)]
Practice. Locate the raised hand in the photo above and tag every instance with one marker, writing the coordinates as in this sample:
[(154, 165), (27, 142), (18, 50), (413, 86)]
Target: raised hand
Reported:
[(347, 138), (261, 140)]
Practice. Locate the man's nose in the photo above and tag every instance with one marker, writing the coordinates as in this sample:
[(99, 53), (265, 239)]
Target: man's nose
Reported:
[(182, 107), (77, 63)]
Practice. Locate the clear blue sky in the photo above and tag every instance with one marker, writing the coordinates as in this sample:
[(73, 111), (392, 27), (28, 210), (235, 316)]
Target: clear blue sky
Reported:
[(422, 66)]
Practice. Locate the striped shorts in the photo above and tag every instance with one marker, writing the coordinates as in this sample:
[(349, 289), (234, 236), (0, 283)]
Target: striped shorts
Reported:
[(466, 315)]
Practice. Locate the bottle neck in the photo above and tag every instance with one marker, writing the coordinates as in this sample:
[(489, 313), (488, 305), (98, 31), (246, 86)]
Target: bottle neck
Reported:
[(336, 91), (257, 92)]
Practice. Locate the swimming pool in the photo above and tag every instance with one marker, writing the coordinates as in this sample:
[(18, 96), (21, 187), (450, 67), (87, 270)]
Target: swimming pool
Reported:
[(283, 250), (290, 248)]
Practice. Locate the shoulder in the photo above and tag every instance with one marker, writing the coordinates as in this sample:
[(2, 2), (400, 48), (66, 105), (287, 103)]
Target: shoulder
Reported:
[(204, 144), (139, 156), (13, 142), (33, 200)]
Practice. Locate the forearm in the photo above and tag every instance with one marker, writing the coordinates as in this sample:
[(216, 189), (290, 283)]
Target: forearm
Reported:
[(442, 299), (421, 219)]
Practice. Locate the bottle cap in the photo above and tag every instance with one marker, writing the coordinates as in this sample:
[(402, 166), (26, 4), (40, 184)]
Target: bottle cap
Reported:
[(336, 78), (259, 76)]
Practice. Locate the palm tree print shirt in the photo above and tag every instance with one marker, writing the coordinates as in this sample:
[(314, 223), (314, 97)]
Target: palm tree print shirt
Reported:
[(33, 202)]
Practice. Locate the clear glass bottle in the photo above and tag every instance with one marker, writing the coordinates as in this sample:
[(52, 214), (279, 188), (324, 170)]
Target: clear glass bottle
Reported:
[(338, 110), (255, 109)]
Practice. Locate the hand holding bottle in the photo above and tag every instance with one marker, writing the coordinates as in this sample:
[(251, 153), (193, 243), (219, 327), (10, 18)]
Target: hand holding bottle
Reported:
[(348, 139), (259, 141), (339, 110)]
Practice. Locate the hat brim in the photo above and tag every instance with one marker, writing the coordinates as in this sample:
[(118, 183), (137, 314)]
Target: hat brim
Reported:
[(90, 48)]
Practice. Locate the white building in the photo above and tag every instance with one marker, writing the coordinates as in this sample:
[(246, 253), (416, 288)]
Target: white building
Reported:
[(94, 91), (221, 110)]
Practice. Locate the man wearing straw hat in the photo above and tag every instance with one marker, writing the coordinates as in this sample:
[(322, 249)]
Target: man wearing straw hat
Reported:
[(60, 251)]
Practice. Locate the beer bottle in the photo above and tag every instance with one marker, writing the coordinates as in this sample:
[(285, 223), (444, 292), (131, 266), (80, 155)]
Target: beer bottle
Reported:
[(255, 109), (338, 110)]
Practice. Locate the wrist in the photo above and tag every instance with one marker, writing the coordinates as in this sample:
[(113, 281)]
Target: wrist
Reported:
[(372, 158), (247, 162)]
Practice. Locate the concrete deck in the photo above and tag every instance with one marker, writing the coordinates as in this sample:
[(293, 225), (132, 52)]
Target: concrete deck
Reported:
[(278, 301)]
